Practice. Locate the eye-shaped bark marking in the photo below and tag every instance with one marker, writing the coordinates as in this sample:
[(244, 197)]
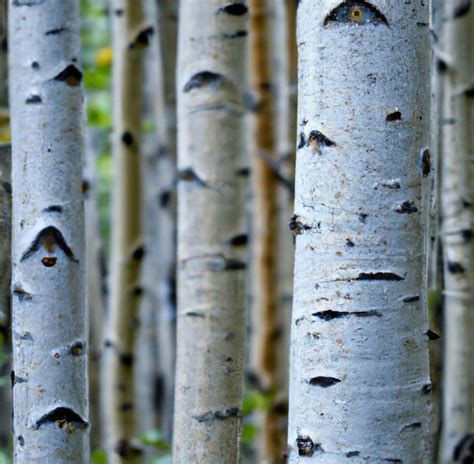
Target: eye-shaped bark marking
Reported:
[(464, 450), (33, 99), (49, 238), (425, 161), (142, 39), (324, 382), (63, 417), (188, 175), (330, 315), (59, 30), (204, 79), (70, 75), (233, 9), (317, 140), (305, 445), (219, 415), (356, 12)]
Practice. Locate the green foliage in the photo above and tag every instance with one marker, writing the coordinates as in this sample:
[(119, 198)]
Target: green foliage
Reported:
[(154, 438), (99, 457), (249, 434), (255, 400), (4, 458)]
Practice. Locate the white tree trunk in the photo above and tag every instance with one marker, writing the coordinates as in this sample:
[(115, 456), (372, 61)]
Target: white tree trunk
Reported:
[(359, 380), (5, 275), (49, 316), (166, 323), (457, 42), (95, 282), (131, 37), (211, 232)]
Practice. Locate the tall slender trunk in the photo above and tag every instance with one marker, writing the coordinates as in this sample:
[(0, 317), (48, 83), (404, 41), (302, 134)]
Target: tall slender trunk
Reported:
[(166, 323), (5, 274), (211, 232), (263, 307), (130, 39), (49, 317), (3, 54), (457, 42), (359, 378), (285, 52), (95, 297)]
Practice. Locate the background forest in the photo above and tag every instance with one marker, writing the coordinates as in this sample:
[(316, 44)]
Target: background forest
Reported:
[(236, 231)]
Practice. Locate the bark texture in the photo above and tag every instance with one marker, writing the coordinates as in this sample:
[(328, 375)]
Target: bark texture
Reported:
[(166, 323), (95, 282), (49, 374), (457, 42), (359, 379), (264, 296), (5, 275), (286, 70), (211, 232), (131, 37)]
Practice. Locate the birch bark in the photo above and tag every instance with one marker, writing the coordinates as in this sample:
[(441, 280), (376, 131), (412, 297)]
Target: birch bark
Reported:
[(130, 38), (49, 317), (211, 232), (457, 42), (359, 379), (166, 324), (5, 276)]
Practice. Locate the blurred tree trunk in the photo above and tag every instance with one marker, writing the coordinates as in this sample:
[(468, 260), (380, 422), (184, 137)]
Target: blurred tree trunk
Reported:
[(5, 232), (48, 282), (148, 363), (286, 72), (457, 42), (95, 297), (5, 274), (359, 375), (211, 232), (264, 295), (435, 249), (130, 36), (166, 323)]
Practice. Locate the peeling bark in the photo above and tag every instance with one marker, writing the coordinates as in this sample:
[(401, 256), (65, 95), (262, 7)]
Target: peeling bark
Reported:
[(211, 269), (130, 41), (359, 372), (50, 381), (457, 195)]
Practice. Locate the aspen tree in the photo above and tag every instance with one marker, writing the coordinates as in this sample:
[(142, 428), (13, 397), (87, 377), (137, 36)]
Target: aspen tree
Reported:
[(359, 375), (166, 330), (286, 59), (457, 202), (95, 297), (49, 374), (263, 305), (5, 274), (211, 232), (130, 37)]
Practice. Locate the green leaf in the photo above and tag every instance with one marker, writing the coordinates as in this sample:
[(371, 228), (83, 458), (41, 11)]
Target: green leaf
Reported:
[(168, 459), (4, 381), (249, 433), (155, 438), (99, 457), (4, 458), (255, 400)]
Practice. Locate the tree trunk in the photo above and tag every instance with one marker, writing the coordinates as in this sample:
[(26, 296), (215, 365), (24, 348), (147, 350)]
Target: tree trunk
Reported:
[(285, 52), (49, 316), (263, 308), (166, 323), (457, 41), (359, 378), (5, 274), (211, 232), (95, 297), (130, 39)]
